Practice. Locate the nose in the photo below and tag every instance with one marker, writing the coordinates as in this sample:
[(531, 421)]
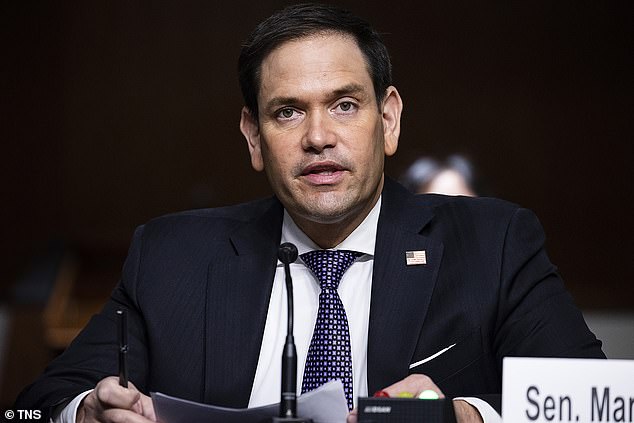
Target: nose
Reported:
[(319, 133)]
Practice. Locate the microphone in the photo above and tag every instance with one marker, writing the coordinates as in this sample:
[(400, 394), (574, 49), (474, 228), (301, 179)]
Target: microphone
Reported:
[(287, 254)]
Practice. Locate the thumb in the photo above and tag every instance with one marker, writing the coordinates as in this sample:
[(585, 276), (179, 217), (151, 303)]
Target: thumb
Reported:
[(143, 405), (110, 394)]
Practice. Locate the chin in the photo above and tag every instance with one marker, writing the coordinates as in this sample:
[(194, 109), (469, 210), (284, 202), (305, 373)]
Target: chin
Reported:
[(325, 207), (325, 218), (327, 212)]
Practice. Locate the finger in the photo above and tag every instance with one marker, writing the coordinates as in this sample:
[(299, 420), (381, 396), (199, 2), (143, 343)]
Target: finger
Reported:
[(111, 395), (414, 384), (137, 407), (145, 407), (352, 416), (92, 410), (466, 413), (132, 386)]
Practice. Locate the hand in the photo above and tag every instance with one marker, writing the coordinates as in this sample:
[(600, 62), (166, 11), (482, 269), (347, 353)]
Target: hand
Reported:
[(466, 413), (110, 403), (417, 383), (414, 384)]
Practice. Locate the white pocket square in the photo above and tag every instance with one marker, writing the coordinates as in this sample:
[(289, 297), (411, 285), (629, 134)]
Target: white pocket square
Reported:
[(431, 357)]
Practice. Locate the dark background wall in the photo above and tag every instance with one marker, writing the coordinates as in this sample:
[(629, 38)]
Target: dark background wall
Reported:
[(114, 112)]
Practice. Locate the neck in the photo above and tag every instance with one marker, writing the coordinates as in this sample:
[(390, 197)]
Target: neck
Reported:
[(328, 235)]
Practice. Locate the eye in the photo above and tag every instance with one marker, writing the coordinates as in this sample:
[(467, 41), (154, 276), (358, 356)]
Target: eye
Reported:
[(345, 106), (287, 113)]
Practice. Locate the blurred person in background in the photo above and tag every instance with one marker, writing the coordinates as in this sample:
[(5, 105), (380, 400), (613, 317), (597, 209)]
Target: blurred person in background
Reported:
[(452, 176)]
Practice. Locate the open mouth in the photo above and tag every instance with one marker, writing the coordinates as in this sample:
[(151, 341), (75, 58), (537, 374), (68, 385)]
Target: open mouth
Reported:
[(321, 173)]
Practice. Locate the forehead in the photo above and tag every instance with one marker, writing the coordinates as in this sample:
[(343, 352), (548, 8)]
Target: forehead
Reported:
[(315, 62)]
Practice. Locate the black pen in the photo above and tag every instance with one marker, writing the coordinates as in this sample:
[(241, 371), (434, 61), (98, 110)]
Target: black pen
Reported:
[(122, 320)]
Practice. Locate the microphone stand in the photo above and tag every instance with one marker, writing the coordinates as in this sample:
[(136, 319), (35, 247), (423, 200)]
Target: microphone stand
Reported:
[(287, 254)]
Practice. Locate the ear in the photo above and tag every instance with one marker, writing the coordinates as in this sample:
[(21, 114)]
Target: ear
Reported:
[(392, 108), (251, 131)]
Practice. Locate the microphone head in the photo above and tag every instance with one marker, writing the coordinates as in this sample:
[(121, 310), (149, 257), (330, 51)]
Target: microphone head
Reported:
[(287, 253)]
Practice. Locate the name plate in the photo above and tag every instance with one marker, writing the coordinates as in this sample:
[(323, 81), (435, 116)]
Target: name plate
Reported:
[(567, 390)]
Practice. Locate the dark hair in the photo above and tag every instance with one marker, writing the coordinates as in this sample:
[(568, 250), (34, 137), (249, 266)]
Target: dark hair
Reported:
[(302, 20), (423, 171)]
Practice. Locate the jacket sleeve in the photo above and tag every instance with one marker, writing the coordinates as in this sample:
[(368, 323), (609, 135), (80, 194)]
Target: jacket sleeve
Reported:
[(93, 354), (536, 315)]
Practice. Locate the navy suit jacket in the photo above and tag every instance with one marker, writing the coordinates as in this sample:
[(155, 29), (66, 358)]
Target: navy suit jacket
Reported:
[(197, 287)]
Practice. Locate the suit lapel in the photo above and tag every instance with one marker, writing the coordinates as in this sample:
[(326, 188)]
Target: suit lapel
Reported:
[(239, 283), (400, 292)]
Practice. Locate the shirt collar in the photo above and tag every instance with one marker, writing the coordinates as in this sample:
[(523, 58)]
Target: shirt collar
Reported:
[(362, 239)]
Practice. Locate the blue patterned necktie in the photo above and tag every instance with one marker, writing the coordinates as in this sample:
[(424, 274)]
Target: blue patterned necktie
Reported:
[(329, 355)]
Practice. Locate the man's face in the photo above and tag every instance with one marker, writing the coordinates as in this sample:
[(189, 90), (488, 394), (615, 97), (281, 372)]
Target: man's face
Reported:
[(321, 137)]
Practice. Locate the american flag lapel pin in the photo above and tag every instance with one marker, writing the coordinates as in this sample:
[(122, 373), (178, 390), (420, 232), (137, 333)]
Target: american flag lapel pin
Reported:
[(415, 258)]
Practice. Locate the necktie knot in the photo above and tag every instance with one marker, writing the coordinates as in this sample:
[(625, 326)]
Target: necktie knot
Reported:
[(329, 265)]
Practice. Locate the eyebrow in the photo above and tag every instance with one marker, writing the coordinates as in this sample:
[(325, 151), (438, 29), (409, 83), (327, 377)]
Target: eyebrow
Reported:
[(347, 89), (280, 101)]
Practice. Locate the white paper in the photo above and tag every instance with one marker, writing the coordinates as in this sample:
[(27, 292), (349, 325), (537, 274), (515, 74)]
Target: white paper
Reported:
[(326, 404)]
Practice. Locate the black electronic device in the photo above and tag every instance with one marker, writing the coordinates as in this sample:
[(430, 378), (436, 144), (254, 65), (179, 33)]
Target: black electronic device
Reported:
[(404, 410)]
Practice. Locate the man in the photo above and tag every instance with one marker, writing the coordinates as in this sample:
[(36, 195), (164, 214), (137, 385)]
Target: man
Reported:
[(463, 280)]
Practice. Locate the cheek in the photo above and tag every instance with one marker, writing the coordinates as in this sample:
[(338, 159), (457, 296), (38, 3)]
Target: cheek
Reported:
[(277, 162), (281, 149), (276, 142), (368, 147)]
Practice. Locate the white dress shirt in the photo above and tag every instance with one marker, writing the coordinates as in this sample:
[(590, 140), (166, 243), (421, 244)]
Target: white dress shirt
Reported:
[(354, 289)]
